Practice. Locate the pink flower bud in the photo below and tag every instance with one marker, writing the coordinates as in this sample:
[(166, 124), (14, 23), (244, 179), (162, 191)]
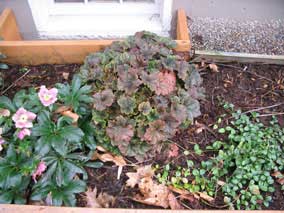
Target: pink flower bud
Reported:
[(41, 167), (23, 133)]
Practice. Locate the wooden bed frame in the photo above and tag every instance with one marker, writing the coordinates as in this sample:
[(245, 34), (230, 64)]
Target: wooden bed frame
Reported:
[(37, 52)]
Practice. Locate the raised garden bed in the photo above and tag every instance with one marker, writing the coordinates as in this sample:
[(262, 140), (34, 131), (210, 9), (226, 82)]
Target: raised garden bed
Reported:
[(203, 162)]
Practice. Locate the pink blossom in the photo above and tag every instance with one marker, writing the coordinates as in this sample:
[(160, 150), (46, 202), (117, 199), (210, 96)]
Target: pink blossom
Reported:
[(23, 133), (47, 97), (166, 83), (41, 167), (4, 112), (23, 118)]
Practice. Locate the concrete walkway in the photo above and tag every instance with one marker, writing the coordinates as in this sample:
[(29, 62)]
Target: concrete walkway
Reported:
[(252, 26)]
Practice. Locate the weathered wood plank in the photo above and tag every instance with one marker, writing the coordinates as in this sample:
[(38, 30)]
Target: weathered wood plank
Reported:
[(57, 51), (8, 26), (182, 27), (218, 56), (8, 208)]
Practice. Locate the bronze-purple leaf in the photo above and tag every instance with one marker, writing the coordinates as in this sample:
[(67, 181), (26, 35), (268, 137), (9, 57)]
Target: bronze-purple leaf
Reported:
[(150, 80), (156, 132), (128, 81), (120, 130), (166, 83), (103, 99)]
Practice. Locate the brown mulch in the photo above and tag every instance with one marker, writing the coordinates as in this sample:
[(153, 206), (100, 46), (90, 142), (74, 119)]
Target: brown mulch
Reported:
[(246, 86)]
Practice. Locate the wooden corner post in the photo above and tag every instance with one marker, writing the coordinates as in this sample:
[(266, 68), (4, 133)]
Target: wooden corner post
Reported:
[(8, 26)]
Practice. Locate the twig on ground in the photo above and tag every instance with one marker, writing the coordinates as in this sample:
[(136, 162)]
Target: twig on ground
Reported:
[(242, 70), (271, 114), (13, 84), (263, 108)]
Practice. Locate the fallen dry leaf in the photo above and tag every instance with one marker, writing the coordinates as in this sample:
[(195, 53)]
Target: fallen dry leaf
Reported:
[(205, 197), (65, 75), (152, 193), (221, 183), (173, 202), (62, 109), (108, 157), (94, 200), (100, 148), (184, 194), (173, 152), (72, 115), (279, 177), (135, 177), (213, 67), (200, 127)]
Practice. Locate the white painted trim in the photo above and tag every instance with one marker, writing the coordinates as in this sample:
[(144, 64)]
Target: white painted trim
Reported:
[(166, 14), (81, 20), (127, 8)]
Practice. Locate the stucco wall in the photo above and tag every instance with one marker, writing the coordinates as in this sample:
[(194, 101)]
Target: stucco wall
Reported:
[(23, 16)]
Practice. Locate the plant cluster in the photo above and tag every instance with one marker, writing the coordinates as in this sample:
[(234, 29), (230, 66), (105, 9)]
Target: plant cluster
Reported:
[(43, 149), (242, 168), (143, 93)]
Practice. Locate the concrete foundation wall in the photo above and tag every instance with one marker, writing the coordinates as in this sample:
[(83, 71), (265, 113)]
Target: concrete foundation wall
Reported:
[(233, 9)]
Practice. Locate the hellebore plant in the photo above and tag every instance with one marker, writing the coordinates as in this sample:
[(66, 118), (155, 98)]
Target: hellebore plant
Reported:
[(143, 93), (42, 150)]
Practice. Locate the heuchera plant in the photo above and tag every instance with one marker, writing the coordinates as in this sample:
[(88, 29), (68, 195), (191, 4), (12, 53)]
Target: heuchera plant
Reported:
[(42, 152), (143, 93)]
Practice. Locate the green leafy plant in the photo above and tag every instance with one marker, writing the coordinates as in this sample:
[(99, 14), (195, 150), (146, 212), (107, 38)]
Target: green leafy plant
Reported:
[(143, 93), (76, 96), (44, 150)]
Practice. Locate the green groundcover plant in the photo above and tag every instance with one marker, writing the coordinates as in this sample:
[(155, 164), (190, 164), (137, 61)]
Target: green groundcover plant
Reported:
[(143, 93), (242, 168)]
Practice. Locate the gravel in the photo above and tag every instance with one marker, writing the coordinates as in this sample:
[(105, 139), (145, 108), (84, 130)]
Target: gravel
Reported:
[(262, 37)]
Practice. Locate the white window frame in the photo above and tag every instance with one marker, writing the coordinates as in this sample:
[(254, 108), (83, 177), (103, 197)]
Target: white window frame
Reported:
[(44, 10)]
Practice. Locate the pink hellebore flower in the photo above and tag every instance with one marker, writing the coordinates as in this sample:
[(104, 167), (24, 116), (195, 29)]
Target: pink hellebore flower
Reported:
[(23, 133), (23, 118), (47, 97), (41, 167)]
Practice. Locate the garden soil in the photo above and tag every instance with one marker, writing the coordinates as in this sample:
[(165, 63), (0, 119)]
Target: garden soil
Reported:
[(246, 86)]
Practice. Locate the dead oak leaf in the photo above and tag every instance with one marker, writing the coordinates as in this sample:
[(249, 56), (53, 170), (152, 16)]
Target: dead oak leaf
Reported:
[(173, 152), (108, 157), (135, 177), (95, 200), (152, 193), (173, 202), (213, 67)]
